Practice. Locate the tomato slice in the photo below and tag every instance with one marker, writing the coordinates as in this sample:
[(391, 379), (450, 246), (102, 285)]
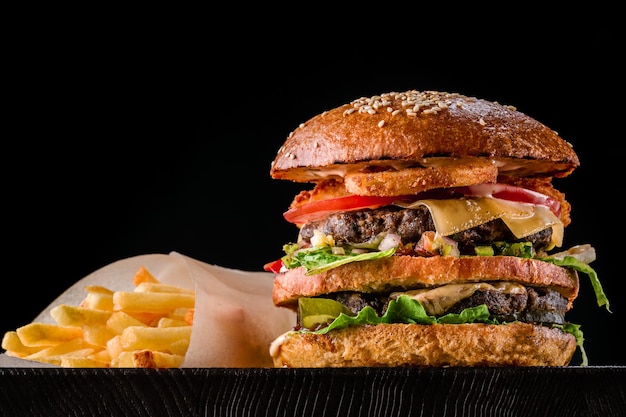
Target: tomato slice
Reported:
[(273, 266), (318, 209)]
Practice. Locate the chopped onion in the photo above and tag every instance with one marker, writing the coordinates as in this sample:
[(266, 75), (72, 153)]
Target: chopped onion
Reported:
[(392, 240), (584, 253)]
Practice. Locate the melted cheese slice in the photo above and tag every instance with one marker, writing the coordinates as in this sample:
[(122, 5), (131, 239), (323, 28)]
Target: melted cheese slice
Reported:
[(523, 219), (437, 300)]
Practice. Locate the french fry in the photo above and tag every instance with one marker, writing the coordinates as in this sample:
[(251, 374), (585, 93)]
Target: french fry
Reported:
[(124, 360), (148, 319), (74, 347), (121, 320), (97, 334), (66, 315), (179, 347), (155, 287), (148, 302), (189, 316), (98, 298), (148, 359), (12, 343), (143, 275), (154, 338), (180, 313), (149, 327), (168, 322), (101, 356), (114, 348), (83, 362), (45, 334)]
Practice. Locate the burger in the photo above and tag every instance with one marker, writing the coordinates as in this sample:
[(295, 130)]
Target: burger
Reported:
[(429, 234)]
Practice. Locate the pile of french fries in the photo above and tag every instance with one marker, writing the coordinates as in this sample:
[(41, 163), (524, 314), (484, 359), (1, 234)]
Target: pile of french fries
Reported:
[(149, 327)]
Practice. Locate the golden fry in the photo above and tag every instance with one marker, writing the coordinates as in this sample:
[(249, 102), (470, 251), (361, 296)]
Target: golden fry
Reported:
[(98, 298), (154, 287), (66, 315), (114, 348), (149, 327), (44, 334), (72, 348), (97, 334), (153, 338), (179, 313), (148, 302), (148, 359), (143, 275), (168, 322), (121, 320), (13, 345), (189, 316), (83, 362)]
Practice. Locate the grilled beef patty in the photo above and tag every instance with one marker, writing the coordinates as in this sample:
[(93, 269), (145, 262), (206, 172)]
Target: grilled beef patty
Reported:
[(538, 305), (362, 225)]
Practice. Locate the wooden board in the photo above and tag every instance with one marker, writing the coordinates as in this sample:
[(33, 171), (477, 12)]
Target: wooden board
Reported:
[(567, 391)]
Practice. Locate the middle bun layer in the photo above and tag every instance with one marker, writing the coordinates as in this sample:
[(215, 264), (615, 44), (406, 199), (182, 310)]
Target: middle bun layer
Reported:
[(409, 272)]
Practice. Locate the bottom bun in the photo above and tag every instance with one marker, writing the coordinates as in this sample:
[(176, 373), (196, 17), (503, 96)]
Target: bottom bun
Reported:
[(389, 345)]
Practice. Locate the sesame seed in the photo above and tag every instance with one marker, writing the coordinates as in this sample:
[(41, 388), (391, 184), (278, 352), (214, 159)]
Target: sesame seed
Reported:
[(482, 122), (381, 123), (410, 102)]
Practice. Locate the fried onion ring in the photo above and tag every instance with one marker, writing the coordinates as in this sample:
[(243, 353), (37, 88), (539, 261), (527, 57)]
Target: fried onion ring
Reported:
[(415, 180)]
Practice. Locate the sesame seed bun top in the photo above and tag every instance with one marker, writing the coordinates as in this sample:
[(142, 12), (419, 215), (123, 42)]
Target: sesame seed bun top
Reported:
[(421, 128)]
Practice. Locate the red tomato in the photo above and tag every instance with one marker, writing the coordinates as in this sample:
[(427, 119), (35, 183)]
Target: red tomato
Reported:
[(273, 266), (321, 208)]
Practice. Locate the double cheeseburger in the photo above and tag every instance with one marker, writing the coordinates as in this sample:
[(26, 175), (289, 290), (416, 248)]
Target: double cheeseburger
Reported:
[(425, 237)]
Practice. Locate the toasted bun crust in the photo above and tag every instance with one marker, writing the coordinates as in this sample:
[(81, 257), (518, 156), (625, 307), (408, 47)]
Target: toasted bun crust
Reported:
[(393, 345), (409, 272), (413, 129)]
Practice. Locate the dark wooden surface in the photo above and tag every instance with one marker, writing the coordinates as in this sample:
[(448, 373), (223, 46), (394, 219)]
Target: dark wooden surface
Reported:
[(571, 392)]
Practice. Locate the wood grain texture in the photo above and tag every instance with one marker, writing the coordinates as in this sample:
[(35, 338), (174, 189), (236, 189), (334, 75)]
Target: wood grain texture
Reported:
[(568, 391)]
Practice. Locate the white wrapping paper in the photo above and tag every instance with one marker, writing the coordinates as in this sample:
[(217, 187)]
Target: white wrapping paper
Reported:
[(235, 320)]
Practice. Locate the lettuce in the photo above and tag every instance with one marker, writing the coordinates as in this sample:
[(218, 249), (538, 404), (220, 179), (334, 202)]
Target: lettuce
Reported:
[(403, 310), (574, 329), (573, 263), (322, 258)]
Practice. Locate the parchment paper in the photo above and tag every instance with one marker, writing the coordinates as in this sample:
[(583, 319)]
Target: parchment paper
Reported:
[(235, 320)]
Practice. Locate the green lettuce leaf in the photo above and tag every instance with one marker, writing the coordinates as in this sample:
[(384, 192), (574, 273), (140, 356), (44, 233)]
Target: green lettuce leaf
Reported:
[(403, 310), (322, 258), (572, 262)]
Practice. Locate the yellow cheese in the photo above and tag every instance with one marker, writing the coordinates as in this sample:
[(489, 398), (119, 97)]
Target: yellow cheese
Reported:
[(523, 219)]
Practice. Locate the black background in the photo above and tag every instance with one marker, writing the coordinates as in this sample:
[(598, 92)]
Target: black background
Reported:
[(125, 139)]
